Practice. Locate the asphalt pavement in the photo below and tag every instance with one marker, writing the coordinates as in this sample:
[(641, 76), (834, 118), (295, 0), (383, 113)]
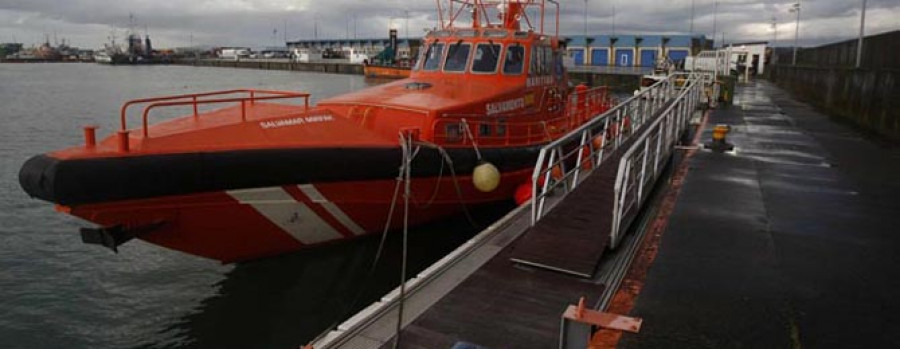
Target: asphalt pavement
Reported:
[(789, 241)]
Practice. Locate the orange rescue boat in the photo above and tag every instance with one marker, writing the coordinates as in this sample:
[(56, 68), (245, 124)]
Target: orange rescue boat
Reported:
[(259, 178)]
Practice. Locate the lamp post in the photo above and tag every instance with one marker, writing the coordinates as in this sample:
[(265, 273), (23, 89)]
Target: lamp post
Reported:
[(587, 49), (614, 18), (585, 17), (715, 19), (692, 17), (796, 8), (862, 29), (774, 31)]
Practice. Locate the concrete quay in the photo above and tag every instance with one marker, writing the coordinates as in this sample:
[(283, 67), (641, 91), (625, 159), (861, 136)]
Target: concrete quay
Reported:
[(789, 241)]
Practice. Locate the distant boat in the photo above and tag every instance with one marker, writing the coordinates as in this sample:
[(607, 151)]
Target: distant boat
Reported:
[(102, 57), (136, 51)]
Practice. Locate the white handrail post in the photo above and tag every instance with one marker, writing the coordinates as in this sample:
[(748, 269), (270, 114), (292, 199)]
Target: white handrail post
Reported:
[(640, 191)]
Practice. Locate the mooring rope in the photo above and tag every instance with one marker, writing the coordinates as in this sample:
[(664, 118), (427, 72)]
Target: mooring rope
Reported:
[(406, 145)]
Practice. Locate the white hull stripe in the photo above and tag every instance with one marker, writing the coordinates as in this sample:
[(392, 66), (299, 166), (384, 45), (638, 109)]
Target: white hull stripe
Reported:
[(294, 217), (317, 197)]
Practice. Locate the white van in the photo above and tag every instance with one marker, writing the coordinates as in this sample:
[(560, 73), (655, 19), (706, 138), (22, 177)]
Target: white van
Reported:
[(235, 53)]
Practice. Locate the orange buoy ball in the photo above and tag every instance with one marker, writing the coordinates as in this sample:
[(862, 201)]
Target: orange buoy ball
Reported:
[(586, 161), (486, 177), (523, 193), (597, 142), (556, 173)]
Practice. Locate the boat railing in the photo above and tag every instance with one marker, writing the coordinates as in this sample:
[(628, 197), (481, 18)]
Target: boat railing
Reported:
[(244, 97), (465, 129)]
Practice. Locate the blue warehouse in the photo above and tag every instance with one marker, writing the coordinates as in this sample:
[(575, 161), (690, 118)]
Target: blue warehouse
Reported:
[(633, 50)]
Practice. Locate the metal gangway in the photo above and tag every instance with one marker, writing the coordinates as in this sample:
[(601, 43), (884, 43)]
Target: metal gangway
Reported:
[(598, 176), (635, 154)]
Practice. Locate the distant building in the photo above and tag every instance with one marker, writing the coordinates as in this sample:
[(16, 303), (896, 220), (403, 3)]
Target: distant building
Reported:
[(194, 51), (633, 50), (406, 48), (596, 50), (757, 57)]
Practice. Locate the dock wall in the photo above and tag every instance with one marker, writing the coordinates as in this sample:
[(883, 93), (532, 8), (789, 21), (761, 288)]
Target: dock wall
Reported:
[(319, 67), (867, 98), (826, 77)]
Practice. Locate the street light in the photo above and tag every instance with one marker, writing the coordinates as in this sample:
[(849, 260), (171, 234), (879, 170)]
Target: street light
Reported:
[(796, 8), (715, 19), (774, 31), (692, 17), (862, 28), (585, 17)]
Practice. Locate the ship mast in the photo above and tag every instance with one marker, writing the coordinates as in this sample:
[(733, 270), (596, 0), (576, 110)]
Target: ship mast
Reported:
[(510, 13)]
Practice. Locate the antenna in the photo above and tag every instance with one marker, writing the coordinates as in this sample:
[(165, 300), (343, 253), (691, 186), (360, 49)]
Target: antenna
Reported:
[(692, 18)]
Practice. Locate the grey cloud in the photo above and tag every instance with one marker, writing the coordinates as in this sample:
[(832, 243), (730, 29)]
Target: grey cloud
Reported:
[(251, 22)]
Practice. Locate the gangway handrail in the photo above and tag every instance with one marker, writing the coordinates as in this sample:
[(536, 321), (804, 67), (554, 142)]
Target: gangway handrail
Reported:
[(676, 117), (659, 113), (611, 129), (194, 99)]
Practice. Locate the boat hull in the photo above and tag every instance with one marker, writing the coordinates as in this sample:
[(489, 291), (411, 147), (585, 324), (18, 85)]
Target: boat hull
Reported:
[(245, 224), (246, 204)]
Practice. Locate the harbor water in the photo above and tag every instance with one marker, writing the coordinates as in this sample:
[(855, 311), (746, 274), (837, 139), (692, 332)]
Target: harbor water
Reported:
[(57, 292)]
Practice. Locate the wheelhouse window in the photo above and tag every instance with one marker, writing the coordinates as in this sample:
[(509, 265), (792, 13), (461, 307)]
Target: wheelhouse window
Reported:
[(515, 60), (538, 61), (541, 61), (548, 60), (457, 57), (417, 64), (558, 63), (432, 58), (486, 58)]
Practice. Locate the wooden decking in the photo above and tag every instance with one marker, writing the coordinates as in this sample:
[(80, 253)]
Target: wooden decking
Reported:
[(572, 237), (500, 306)]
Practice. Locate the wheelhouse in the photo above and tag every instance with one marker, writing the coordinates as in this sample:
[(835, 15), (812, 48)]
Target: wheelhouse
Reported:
[(490, 52)]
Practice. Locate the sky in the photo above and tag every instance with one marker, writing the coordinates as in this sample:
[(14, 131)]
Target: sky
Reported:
[(259, 23)]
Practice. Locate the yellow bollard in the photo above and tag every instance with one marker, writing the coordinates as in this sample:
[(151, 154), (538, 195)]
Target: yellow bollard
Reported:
[(718, 139), (719, 133)]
